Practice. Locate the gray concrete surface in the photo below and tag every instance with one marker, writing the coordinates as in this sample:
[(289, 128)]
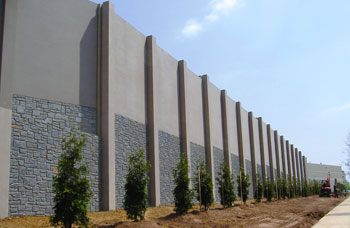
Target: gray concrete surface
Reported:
[(339, 217)]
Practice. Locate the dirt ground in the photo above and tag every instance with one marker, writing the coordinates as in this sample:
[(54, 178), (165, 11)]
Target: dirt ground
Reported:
[(301, 212)]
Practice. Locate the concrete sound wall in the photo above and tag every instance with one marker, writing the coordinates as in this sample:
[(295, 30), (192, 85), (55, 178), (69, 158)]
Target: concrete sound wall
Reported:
[(77, 64)]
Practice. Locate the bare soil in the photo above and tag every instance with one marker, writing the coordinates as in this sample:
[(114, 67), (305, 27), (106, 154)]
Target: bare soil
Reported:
[(300, 212)]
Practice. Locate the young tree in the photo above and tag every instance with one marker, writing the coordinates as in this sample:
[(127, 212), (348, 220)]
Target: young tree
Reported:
[(279, 189), (284, 188), (243, 185), (226, 185), (135, 199), (291, 188), (183, 195), (259, 189), (270, 190), (205, 192), (70, 185)]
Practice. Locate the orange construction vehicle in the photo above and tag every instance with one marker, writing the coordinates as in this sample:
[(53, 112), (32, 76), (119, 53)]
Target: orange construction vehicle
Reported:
[(326, 187)]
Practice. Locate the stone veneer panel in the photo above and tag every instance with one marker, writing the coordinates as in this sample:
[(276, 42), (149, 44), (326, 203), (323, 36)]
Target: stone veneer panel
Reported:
[(38, 127), (218, 160), (197, 156), (235, 171), (169, 156), (249, 171), (130, 136)]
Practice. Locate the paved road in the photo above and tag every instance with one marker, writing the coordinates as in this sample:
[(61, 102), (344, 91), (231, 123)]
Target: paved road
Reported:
[(338, 217)]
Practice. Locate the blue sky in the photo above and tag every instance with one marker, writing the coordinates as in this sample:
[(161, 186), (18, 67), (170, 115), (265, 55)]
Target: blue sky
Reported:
[(286, 60)]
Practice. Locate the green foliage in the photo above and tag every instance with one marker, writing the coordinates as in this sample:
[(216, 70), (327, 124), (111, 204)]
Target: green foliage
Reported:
[(340, 187), (259, 189), (284, 191), (298, 188), (279, 189), (295, 187), (270, 192), (183, 195), (291, 188), (314, 187), (226, 186), (305, 189), (206, 186), (243, 184), (135, 198), (70, 185)]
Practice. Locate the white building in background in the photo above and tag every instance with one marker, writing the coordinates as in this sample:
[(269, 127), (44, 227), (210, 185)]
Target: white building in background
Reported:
[(320, 171)]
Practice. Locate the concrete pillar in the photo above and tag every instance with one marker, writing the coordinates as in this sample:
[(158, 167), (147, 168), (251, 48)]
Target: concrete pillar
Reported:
[(262, 150), (107, 117), (252, 147), (207, 136), (293, 159), (225, 127), (185, 145), (239, 134), (297, 164), (305, 165), (283, 152), (301, 168), (270, 152), (289, 164), (153, 144), (277, 150)]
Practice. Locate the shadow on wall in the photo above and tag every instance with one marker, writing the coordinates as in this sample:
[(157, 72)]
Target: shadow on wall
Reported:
[(88, 74)]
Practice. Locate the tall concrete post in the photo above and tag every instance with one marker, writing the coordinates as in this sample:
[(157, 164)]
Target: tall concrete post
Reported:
[(305, 166), (208, 143), (262, 150), (293, 160), (297, 164), (289, 163), (301, 168), (107, 117), (252, 147), (283, 152), (270, 153), (239, 134), (153, 144), (225, 127), (277, 150)]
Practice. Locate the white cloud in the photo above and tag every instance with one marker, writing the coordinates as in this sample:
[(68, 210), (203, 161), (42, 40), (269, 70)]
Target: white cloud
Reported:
[(218, 8), (192, 28), (338, 109)]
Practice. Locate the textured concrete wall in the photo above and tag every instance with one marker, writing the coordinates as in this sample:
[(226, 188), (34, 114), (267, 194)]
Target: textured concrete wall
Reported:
[(232, 136), (266, 151), (197, 156), (218, 155), (130, 136), (38, 126), (246, 149), (257, 146)]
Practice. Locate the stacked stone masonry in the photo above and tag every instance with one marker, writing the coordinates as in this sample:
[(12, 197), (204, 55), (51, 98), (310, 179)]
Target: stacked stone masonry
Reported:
[(218, 160), (130, 136), (169, 155), (38, 127)]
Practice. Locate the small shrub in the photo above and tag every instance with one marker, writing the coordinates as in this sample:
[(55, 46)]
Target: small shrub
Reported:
[(279, 189), (284, 188), (270, 190), (206, 186), (183, 195), (226, 186), (291, 188), (135, 198), (71, 186), (259, 189), (243, 184)]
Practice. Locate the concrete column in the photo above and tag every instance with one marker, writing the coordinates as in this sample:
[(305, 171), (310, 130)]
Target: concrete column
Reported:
[(301, 168), (277, 150), (305, 165), (153, 144), (207, 136), (283, 152), (225, 127), (107, 116), (289, 164), (297, 164), (252, 147), (239, 134), (270, 152), (262, 150), (293, 159)]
